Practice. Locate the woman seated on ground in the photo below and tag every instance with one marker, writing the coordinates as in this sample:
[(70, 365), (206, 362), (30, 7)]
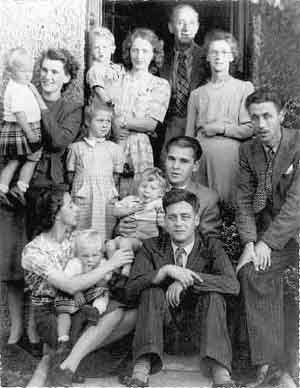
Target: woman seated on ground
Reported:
[(218, 118), (43, 260)]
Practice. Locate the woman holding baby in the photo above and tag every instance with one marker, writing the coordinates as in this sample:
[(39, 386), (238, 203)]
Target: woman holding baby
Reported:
[(44, 259)]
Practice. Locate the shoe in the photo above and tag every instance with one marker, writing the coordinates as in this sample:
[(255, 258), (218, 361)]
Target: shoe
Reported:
[(226, 384), (16, 196), (36, 349), (124, 380), (61, 377), (77, 378), (4, 201), (63, 350), (91, 313), (133, 382), (265, 377)]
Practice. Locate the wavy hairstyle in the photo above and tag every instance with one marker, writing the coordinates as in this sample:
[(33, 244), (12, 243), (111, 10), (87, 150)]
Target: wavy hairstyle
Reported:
[(71, 66), (152, 38), (47, 207)]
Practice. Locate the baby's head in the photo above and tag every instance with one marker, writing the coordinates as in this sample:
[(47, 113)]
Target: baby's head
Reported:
[(20, 65), (103, 44), (89, 248), (98, 120), (152, 185)]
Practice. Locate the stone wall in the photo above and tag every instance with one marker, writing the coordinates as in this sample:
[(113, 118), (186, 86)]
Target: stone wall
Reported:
[(276, 52), (39, 24)]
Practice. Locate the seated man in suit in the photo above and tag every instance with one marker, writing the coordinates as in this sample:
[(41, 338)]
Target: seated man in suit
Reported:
[(176, 275), (183, 155), (184, 67), (268, 220)]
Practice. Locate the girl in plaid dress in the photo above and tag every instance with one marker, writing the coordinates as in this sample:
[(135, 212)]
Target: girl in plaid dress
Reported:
[(93, 164), (20, 135)]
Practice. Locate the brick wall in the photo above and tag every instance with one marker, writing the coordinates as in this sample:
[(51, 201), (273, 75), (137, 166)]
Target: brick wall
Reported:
[(39, 24)]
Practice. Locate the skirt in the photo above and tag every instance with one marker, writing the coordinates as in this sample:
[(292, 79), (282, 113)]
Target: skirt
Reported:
[(12, 241), (13, 141)]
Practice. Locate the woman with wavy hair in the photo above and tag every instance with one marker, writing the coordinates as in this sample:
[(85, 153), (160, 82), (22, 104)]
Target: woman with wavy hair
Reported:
[(60, 124), (217, 116), (43, 260), (142, 100)]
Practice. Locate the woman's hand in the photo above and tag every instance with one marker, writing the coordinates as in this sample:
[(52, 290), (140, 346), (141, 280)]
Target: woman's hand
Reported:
[(119, 129), (212, 129), (121, 257), (38, 97)]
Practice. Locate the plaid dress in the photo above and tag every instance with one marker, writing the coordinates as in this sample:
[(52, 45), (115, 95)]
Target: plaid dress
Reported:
[(94, 164), (13, 140), (147, 97)]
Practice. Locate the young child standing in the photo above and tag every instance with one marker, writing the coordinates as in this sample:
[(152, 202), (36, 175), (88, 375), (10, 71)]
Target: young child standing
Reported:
[(104, 75), (146, 208), (20, 135), (92, 164), (88, 255)]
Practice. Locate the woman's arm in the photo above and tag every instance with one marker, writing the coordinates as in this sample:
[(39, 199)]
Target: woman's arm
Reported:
[(71, 285), (191, 117)]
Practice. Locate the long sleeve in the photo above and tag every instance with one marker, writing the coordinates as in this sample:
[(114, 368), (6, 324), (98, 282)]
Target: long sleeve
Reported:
[(142, 273), (221, 277), (243, 128), (287, 222), (61, 126), (246, 184), (210, 219), (191, 116)]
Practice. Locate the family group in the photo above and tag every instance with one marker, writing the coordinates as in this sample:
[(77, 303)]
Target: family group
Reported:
[(113, 232)]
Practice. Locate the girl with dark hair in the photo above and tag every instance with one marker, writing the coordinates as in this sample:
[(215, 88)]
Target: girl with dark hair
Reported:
[(142, 100), (217, 116), (43, 260)]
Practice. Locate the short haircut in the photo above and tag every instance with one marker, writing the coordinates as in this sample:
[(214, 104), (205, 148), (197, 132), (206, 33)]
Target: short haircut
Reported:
[(154, 174), (71, 66), (90, 237), (264, 95), (14, 58), (104, 33), (179, 7), (215, 35), (186, 142), (179, 195), (90, 111), (152, 38)]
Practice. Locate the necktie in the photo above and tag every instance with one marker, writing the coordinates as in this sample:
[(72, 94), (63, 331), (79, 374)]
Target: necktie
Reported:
[(269, 172), (182, 86), (180, 255)]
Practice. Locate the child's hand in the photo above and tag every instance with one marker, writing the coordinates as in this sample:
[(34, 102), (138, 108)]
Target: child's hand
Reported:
[(79, 299)]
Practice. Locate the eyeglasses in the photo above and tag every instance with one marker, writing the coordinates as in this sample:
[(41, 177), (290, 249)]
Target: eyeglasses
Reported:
[(221, 53)]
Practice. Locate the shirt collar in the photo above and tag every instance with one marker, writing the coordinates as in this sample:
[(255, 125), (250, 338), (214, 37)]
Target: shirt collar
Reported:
[(188, 248), (92, 142), (188, 51)]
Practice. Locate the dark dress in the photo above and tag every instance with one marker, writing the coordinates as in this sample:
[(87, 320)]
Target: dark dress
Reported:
[(60, 126)]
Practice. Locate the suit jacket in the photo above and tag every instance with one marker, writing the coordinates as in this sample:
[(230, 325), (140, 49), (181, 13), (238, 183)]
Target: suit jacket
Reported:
[(278, 224), (207, 258), (210, 220), (198, 67)]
